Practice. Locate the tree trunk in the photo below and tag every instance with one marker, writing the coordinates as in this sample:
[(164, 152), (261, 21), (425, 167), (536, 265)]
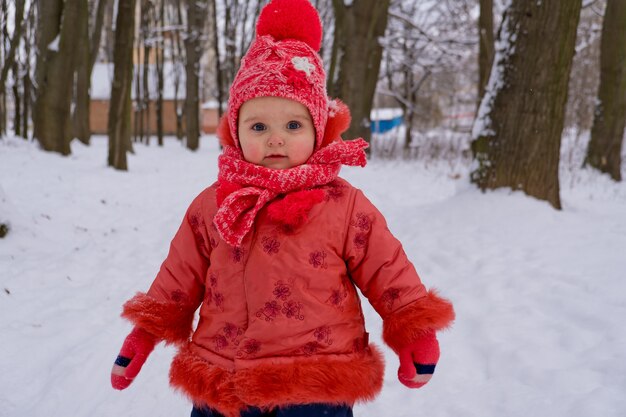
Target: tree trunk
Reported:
[(4, 35), (17, 122), (218, 67), (358, 53), (48, 22), (26, 101), (159, 58), (178, 60), (82, 130), (109, 38), (196, 11), (146, 30), (517, 133), (145, 98), (26, 80), (9, 61), (607, 134), (120, 107), (137, 109), (55, 74), (486, 48), (96, 33)]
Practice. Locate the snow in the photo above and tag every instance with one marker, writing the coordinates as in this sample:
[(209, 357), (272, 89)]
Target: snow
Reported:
[(102, 78), (54, 45), (6, 212), (210, 104), (539, 293), (504, 49), (385, 113)]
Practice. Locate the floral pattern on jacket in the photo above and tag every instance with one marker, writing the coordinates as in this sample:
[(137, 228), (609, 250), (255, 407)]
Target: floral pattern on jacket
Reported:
[(287, 297)]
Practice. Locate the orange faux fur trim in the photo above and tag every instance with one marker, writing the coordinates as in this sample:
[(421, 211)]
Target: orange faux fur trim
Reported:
[(428, 313), (315, 380), (168, 320), (223, 131), (309, 380), (204, 383), (338, 121)]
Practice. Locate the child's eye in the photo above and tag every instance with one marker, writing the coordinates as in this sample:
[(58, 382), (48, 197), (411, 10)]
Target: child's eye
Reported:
[(293, 125), (258, 127)]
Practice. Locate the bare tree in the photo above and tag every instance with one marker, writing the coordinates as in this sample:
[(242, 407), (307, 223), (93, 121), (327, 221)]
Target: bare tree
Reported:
[(356, 57), (17, 113), (159, 58), (233, 24), (83, 77), (486, 48), (327, 16), (585, 73), (517, 133), (218, 67), (178, 61), (54, 75), (142, 74), (120, 107), (21, 74), (417, 53), (27, 89), (95, 35), (607, 134), (9, 59), (4, 17), (196, 12), (109, 32)]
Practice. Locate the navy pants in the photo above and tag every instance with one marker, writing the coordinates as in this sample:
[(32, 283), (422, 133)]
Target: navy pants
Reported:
[(305, 410)]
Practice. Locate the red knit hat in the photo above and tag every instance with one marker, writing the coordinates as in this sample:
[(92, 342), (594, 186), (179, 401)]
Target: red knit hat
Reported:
[(283, 62)]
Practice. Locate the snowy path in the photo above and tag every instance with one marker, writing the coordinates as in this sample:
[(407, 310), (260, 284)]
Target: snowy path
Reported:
[(539, 294)]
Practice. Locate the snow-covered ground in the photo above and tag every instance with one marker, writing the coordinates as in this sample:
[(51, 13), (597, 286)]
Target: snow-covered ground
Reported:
[(540, 295)]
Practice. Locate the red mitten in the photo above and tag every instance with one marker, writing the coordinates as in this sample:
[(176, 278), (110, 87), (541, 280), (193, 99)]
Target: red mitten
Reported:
[(135, 350), (418, 360)]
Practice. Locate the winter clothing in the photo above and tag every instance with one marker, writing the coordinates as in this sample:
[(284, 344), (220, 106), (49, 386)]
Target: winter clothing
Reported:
[(273, 260), (283, 62), (418, 361), (135, 350), (280, 320), (306, 410), (245, 188)]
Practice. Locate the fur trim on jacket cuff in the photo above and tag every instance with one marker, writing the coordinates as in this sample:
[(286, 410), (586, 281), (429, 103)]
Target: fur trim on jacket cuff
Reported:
[(167, 320), (407, 325)]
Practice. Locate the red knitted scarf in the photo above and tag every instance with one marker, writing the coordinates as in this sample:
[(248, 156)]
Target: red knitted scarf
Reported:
[(245, 188)]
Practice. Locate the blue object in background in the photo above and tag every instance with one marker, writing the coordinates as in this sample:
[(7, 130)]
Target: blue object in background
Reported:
[(385, 125)]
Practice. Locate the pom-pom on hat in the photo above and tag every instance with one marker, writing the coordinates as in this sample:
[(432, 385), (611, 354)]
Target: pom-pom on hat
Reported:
[(283, 62)]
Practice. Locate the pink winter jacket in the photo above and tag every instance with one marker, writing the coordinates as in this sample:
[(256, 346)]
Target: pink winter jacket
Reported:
[(280, 319)]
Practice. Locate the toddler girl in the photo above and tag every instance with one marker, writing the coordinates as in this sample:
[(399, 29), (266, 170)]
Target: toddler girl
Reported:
[(272, 254)]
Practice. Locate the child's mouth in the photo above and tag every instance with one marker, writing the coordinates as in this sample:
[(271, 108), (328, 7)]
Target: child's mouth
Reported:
[(275, 156)]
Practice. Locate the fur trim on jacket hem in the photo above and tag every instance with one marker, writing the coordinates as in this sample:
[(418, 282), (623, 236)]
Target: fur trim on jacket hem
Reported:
[(411, 322), (307, 380), (167, 320)]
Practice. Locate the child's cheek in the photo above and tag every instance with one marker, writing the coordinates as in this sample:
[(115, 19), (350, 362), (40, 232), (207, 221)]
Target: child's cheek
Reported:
[(253, 153)]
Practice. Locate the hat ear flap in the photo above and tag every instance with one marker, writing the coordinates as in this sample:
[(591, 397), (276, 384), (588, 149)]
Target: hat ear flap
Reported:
[(338, 121), (223, 132)]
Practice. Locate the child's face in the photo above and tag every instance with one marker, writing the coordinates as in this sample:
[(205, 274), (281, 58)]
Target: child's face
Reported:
[(275, 132)]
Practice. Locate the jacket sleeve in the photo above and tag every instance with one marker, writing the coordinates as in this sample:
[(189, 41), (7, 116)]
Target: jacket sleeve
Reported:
[(379, 267), (167, 309)]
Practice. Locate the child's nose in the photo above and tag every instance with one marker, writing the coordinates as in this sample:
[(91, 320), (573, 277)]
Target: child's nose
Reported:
[(275, 140)]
